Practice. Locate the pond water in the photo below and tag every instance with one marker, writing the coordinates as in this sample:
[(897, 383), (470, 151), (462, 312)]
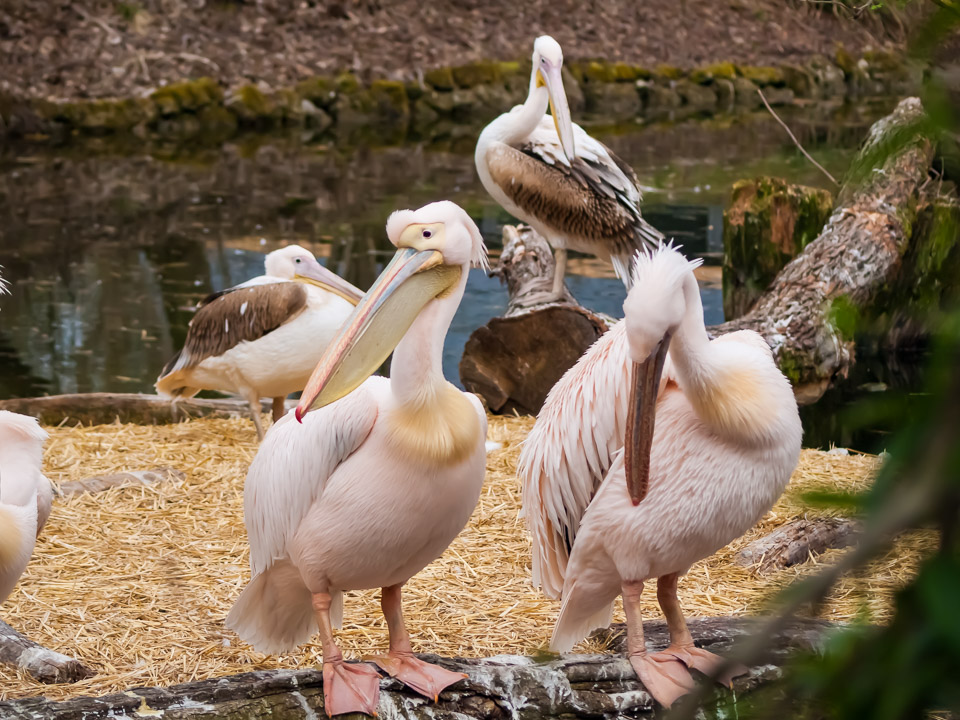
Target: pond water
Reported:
[(108, 245)]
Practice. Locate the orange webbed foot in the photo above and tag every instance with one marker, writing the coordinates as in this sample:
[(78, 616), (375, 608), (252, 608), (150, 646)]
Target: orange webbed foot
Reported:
[(707, 663), (426, 679), (664, 677), (350, 688)]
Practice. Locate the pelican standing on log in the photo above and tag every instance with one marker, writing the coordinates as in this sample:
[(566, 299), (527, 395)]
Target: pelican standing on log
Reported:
[(262, 338), (547, 172), (725, 442), (25, 495), (371, 478)]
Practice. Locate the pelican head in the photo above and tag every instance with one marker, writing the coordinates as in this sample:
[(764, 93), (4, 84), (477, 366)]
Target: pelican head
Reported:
[(654, 309), (296, 263), (546, 72), (435, 247)]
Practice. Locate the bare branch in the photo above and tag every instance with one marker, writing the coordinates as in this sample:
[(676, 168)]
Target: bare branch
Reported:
[(795, 141)]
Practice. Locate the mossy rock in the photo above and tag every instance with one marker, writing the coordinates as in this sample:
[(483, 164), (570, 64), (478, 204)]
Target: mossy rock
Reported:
[(390, 98), (629, 73), (762, 75), (745, 93), (657, 97), (595, 71), (884, 61), (829, 79), (667, 72), (726, 94), (619, 101), (440, 79), (474, 74), (250, 104), (767, 224), (190, 95), (321, 90), (217, 120), (697, 97), (107, 115), (414, 91), (799, 80), (778, 95), (347, 84), (715, 71), (845, 61)]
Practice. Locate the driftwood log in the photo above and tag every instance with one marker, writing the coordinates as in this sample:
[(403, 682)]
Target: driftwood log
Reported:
[(45, 665), (796, 541), (497, 688), (105, 408), (514, 360), (857, 254)]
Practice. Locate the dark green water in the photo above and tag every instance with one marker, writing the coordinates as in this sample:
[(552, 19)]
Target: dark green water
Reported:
[(109, 245)]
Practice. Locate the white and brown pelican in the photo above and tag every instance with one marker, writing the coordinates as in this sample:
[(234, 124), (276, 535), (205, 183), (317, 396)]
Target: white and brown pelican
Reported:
[(547, 172), (25, 495), (263, 337), (378, 476), (726, 439)]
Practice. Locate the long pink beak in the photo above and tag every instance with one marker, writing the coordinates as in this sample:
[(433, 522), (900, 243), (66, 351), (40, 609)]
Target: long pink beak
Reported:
[(645, 385)]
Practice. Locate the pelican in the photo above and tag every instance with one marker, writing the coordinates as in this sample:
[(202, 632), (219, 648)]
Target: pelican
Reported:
[(378, 476), (25, 495), (262, 338), (550, 174), (726, 440)]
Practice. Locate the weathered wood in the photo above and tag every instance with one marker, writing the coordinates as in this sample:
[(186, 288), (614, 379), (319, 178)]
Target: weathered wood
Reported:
[(105, 408), (99, 483), (514, 360), (857, 254), (496, 688), (796, 541), (45, 665)]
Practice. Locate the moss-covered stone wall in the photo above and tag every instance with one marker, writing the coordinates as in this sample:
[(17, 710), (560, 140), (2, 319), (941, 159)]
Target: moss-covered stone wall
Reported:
[(473, 92)]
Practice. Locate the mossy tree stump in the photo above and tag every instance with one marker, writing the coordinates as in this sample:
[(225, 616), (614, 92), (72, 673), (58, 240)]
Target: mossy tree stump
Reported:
[(769, 222)]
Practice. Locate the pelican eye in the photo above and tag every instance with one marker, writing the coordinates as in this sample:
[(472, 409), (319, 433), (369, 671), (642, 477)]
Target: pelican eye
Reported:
[(427, 234), (297, 260)]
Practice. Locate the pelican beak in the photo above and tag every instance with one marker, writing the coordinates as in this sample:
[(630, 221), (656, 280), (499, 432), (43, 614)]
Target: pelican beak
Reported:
[(321, 277), (550, 77), (375, 327), (640, 417)]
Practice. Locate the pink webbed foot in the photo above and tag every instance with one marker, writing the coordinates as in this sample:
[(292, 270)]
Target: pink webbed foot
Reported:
[(664, 677), (426, 679), (706, 662), (350, 688)]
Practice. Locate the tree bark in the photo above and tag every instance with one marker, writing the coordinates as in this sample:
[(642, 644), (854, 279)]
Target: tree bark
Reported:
[(515, 687), (105, 408), (794, 542), (514, 360), (805, 314), (45, 665)]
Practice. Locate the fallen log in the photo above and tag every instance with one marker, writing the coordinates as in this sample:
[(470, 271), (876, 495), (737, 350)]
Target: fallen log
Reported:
[(496, 688), (804, 314), (45, 665), (106, 408), (514, 360), (99, 483), (796, 541)]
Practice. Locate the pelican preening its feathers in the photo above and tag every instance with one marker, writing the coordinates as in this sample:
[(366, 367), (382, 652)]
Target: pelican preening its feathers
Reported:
[(604, 521), (25, 495), (262, 338), (373, 477), (547, 172)]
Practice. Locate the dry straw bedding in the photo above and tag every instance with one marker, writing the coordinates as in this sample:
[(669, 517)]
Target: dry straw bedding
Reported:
[(136, 581)]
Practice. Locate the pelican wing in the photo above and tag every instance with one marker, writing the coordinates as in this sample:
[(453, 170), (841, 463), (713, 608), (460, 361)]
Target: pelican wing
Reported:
[(241, 314), (594, 200), (569, 451), (293, 466)]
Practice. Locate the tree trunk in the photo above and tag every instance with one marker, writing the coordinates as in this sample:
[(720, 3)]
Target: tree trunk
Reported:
[(515, 687), (794, 542), (45, 665), (807, 312), (105, 408), (514, 360)]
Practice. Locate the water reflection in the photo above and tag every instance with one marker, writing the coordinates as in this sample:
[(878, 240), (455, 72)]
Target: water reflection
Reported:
[(110, 246)]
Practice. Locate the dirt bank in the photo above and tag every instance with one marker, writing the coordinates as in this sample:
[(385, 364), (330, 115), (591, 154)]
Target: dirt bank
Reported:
[(112, 48)]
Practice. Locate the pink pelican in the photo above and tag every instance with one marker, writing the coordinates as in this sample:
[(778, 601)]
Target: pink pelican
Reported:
[(25, 495), (726, 440), (378, 475), (262, 338), (548, 173)]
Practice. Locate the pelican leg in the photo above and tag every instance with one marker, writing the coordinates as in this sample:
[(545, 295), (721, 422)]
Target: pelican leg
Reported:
[(681, 642), (560, 272), (665, 678), (347, 688), (279, 407), (399, 662), (253, 400)]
